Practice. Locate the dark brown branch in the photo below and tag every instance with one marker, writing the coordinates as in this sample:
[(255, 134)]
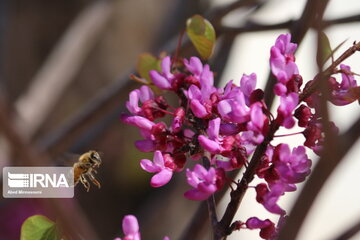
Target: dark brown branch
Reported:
[(223, 228), (350, 232)]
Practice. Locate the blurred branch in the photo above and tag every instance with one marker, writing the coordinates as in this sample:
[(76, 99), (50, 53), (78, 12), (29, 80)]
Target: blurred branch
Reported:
[(217, 15), (61, 67), (66, 210), (344, 20), (251, 26), (350, 232)]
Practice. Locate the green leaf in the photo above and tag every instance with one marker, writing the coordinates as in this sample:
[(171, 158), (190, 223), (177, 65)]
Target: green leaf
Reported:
[(146, 63), (202, 35), (39, 227), (325, 52)]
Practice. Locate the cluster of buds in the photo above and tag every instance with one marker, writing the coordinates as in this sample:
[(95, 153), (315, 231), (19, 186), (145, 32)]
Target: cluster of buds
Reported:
[(225, 125)]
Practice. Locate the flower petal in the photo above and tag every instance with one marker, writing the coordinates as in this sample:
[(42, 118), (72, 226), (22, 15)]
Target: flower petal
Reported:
[(149, 166), (161, 178)]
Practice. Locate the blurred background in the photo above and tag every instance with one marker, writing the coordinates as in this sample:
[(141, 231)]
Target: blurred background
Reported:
[(64, 68)]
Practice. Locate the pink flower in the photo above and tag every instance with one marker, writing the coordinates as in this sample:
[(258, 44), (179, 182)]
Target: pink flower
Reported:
[(143, 94), (212, 142), (138, 121), (268, 198), (204, 182), (201, 73), (234, 108), (287, 106), (164, 79), (130, 228), (292, 167), (345, 92), (162, 168), (282, 59), (267, 227), (178, 120), (247, 86)]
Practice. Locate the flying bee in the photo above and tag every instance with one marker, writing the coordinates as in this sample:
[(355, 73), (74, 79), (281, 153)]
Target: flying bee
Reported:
[(85, 167)]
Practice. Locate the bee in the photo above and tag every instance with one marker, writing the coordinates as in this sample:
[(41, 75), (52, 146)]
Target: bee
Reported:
[(85, 167)]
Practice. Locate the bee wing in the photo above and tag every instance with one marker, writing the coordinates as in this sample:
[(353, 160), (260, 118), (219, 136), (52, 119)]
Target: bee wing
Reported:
[(67, 159)]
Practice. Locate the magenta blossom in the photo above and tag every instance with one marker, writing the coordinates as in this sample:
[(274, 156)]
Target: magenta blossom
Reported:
[(204, 182), (268, 198), (247, 86), (287, 106), (212, 142), (162, 167), (164, 79), (282, 59), (345, 92), (130, 228), (292, 167), (267, 228), (143, 94)]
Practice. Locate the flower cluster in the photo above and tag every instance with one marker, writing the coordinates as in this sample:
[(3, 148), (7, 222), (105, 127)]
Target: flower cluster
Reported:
[(223, 126), (130, 228)]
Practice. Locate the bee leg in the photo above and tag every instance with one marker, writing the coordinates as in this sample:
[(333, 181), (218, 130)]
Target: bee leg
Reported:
[(92, 178), (85, 183)]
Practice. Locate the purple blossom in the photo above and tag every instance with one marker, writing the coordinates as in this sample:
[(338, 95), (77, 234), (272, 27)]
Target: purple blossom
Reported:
[(138, 121), (268, 198), (287, 105), (345, 92), (282, 62), (201, 73), (164, 79), (292, 167), (267, 228), (130, 228), (234, 109), (204, 183), (143, 94), (212, 142), (257, 123), (282, 59), (158, 166), (247, 86)]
